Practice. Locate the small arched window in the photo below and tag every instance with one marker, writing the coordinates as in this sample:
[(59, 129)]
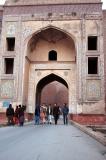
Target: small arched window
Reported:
[(52, 56)]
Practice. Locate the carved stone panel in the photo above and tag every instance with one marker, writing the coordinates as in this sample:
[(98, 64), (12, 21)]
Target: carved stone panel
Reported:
[(7, 89), (11, 29), (27, 31), (93, 90)]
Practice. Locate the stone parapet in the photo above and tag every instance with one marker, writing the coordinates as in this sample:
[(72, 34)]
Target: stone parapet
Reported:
[(36, 2), (61, 8)]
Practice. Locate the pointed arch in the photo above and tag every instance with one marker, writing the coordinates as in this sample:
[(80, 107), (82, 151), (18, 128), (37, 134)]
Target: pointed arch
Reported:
[(46, 80), (52, 27), (50, 37)]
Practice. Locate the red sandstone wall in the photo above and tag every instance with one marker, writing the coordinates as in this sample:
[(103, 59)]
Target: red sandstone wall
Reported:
[(3, 118), (89, 119)]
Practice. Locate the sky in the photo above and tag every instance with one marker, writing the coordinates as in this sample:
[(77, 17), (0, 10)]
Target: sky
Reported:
[(104, 3)]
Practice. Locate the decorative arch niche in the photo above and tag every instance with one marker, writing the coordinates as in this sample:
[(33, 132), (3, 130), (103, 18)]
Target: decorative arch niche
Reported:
[(48, 39), (39, 46)]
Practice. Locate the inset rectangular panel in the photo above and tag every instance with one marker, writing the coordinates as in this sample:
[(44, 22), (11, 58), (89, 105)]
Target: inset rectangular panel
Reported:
[(7, 89), (93, 90)]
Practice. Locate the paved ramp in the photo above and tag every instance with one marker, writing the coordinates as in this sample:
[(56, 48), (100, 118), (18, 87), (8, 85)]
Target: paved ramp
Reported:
[(48, 142)]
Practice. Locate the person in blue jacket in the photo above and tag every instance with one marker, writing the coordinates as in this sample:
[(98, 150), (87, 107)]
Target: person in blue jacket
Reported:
[(65, 111)]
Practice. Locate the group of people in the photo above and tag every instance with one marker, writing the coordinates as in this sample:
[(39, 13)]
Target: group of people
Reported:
[(43, 114), (17, 116), (46, 113)]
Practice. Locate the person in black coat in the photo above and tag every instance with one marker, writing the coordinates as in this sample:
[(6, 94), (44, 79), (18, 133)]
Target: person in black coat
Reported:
[(37, 114), (21, 115), (10, 114), (56, 113)]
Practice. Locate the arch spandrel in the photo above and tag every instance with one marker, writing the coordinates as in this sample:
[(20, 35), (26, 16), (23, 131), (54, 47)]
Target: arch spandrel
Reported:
[(48, 74), (50, 78)]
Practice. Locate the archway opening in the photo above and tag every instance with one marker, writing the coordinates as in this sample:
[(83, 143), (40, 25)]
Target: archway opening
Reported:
[(52, 89), (61, 46), (54, 92)]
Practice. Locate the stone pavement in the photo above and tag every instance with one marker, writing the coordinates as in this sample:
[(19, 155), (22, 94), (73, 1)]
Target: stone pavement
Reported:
[(48, 142)]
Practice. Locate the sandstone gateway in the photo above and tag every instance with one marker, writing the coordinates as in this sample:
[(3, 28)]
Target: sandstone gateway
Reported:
[(54, 51)]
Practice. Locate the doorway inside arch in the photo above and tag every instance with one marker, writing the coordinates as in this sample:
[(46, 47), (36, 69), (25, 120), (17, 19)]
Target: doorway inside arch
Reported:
[(52, 89), (54, 92)]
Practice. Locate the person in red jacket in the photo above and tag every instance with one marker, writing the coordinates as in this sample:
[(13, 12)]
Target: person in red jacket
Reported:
[(16, 115)]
